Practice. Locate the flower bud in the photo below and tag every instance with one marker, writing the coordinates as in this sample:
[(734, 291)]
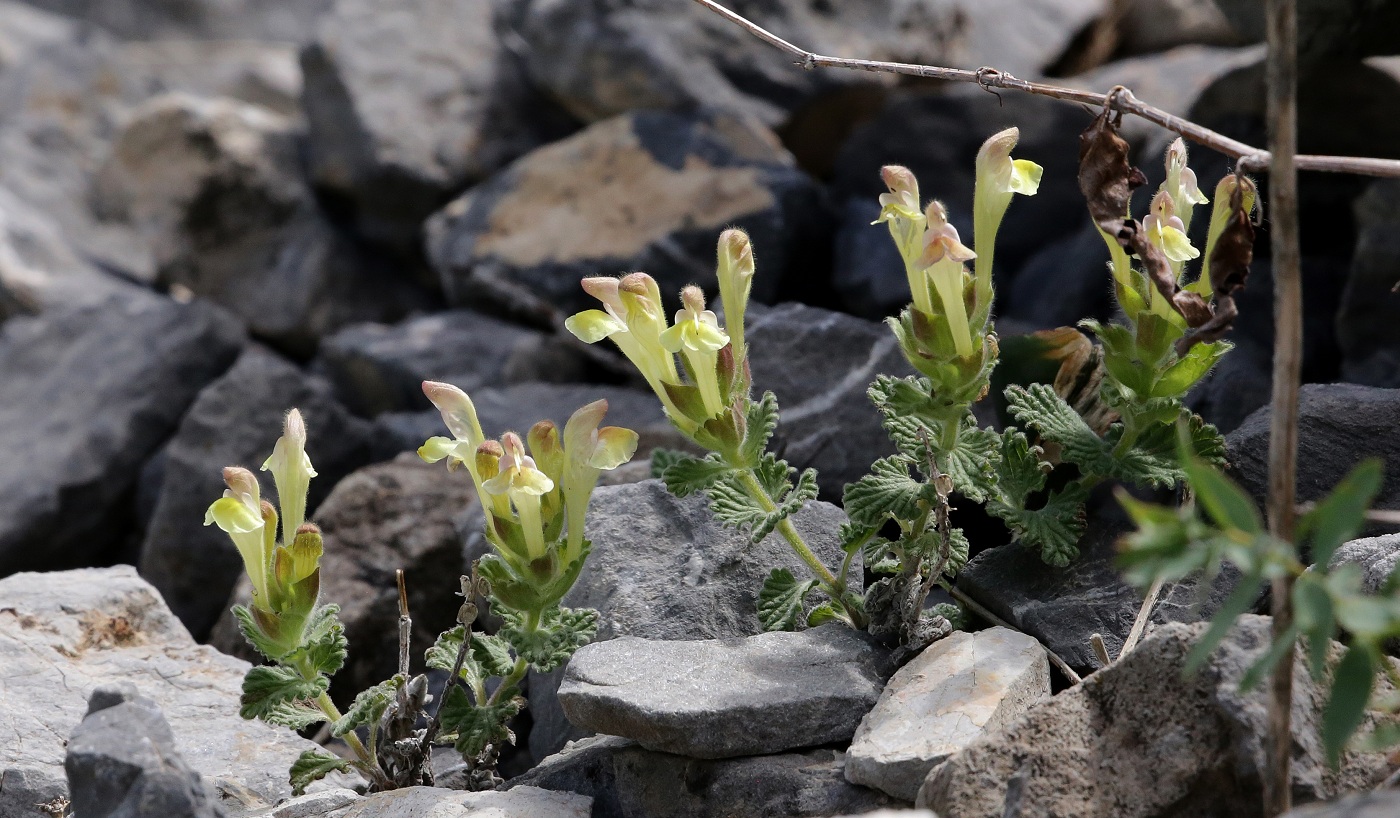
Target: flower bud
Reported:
[(488, 459), (735, 271), (545, 447)]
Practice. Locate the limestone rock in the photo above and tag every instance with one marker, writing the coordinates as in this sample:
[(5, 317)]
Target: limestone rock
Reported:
[(727, 697), (1377, 556), (64, 634), (235, 421), (1151, 742), (627, 781), (519, 802), (957, 689), (647, 190), (89, 394)]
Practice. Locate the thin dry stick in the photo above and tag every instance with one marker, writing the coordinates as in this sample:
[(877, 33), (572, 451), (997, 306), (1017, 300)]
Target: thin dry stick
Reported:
[(976, 607), (1144, 616), (1282, 73), (405, 624), (1251, 159)]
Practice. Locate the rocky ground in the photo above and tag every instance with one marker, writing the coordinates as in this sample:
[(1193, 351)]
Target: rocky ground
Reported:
[(216, 210)]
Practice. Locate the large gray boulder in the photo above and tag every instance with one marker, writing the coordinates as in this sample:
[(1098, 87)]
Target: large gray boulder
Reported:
[(664, 568), (723, 698), (1376, 556), (438, 64), (627, 781), (88, 396), (235, 421), (1140, 739), (64, 634), (645, 190), (39, 269)]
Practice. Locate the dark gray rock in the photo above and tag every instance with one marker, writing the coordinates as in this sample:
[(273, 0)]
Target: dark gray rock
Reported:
[(724, 698), (1062, 284), (1157, 25), (64, 634), (520, 802), (88, 395), (195, 19), (1369, 336), (234, 422), (1176, 745), (1236, 388), (647, 190), (1378, 804), (1339, 425), (600, 59), (382, 518), (1326, 28), (627, 781), (819, 365), (1377, 557), (215, 188), (1063, 607), (664, 568), (378, 368), (437, 64), (937, 135), (39, 269), (122, 762), (522, 405)]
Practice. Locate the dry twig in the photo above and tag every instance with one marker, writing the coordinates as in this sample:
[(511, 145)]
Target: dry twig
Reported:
[(1251, 159)]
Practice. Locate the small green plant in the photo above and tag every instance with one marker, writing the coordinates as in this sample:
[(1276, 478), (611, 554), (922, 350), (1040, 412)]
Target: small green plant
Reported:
[(1222, 527), (534, 505)]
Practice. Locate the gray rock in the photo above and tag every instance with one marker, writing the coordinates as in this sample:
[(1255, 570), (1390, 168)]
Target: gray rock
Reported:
[(313, 804), (601, 59), (1369, 337), (519, 802), (959, 688), (379, 519), (647, 190), (1339, 425), (1157, 25), (819, 364), (378, 368), (438, 64), (723, 698), (1236, 388), (1377, 557), (627, 781), (522, 405), (122, 762), (266, 74), (1326, 28), (664, 568), (88, 395), (195, 19), (39, 269), (1063, 607), (64, 634), (1152, 742), (235, 421), (215, 188), (1061, 285), (1378, 804)]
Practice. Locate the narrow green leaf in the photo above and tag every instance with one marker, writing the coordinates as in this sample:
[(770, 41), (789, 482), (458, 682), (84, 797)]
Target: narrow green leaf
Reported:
[(1312, 610), (1264, 666), (313, 765), (1226, 503), (1342, 513), (780, 600), (1178, 378), (1346, 706)]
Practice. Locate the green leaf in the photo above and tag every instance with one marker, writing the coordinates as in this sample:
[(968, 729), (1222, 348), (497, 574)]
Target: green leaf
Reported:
[(1021, 472), (294, 715), (325, 646), (1342, 513), (492, 653), (313, 765), (266, 687), (1264, 666), (958, 548), (476, 726), (1226, 503), (1177, 379), (1038, 407), (1346, 707), (560, 632), (780, 600), (774, 475), (1312, 609), (1056, 527), (822, 614), (248, 626), (443, 654), (972, 463), (734, 507), (887, 491), (662, 459), (686, 475), (762, 419), (368, 706)]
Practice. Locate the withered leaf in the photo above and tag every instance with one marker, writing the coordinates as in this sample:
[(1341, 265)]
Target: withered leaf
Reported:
[(1105, 177), (1234, 248)]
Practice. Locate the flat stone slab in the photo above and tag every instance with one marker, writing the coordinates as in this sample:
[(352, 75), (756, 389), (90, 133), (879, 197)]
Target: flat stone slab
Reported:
[(724, 698), (435, 802), (954, 691)]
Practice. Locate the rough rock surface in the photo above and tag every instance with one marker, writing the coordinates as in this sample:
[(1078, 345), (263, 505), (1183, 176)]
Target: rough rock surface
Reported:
[(519, 802), (663, 568), (731, 697), (1377, 557), (627, 781), (1151, 742), (38, 267), (1379, 804), (438, 64), (235, 421), (959, 688), (381, 518), (122, 761), (647, 190), (195, 19), (89, 393), (1366, 328), (381, 368), (64, 634), (819, 364)]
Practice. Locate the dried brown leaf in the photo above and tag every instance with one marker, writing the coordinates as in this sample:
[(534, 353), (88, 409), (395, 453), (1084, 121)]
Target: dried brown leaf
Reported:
[(1106, 178)]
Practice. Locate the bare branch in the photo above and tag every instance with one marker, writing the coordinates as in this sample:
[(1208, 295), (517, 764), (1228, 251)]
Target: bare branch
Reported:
[(1251, 159)]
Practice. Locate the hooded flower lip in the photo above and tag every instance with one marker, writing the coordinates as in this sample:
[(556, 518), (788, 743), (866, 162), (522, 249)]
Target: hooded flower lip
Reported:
[(999, 179), (735, 271), (1166, 230), (941, 240), (292, 472), (589, 450), (1002, 174), (239, 514), (1181, 180), (524, 484), (696, 329), (902, 200)]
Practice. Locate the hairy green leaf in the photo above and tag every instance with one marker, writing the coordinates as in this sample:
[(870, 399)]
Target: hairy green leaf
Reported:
[(686, 475), (780, 600), (368, 706), (1038, 407), (492, 653), (313, 765), (560, 632), (325, 646), (762, 418), (248, 626), (266, 687), (822, 614), (1054, 528), (662, 459), (1020, 472), (294, 715), (887, 491), (1346, 706), (477, 725), (972, 463), (1178, 378)]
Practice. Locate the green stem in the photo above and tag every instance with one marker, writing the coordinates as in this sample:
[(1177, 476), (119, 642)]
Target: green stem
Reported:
[(532, 624), (333, 714)]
